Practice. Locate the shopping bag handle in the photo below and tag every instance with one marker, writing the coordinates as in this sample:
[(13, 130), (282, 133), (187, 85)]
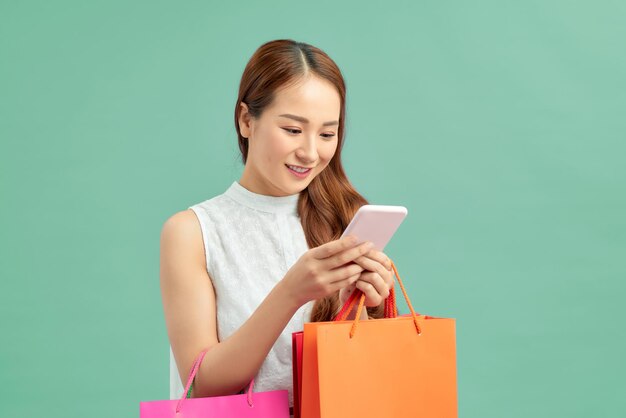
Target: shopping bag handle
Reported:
[(391, 310), (192, 375)]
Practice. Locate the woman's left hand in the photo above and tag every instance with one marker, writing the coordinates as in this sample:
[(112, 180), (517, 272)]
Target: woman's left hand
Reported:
[(375, 281)]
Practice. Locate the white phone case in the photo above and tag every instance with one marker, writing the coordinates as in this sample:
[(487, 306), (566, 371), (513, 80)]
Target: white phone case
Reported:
[(376, 223)]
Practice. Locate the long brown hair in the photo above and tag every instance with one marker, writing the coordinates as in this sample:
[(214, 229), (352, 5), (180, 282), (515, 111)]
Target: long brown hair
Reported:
[(328, 204)]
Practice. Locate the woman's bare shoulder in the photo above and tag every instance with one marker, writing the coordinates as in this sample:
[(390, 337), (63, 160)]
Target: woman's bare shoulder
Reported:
[(185, 220), (181, 233)]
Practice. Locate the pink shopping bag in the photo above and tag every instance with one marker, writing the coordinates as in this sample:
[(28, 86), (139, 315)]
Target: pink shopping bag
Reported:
[(272, 404)]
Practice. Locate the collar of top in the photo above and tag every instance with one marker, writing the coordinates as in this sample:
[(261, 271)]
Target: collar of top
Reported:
[(261, 202)]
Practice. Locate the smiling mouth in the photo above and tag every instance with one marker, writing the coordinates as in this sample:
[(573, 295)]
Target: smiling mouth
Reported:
[(299, 169)]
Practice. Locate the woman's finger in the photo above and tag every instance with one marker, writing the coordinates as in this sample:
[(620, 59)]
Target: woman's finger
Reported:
[(340, 275), (381, 257), (372, 298), (377, 282), (347, 282), (333, 247), (347, 256), (374, 266)]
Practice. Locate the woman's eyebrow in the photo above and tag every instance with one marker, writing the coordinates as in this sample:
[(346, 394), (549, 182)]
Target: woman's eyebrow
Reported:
[(305, 120)]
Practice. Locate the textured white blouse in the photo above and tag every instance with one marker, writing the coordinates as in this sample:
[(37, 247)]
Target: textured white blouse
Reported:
[(250, 242)]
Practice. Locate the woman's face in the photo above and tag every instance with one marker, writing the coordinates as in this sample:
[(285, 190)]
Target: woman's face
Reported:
[(298, 129)]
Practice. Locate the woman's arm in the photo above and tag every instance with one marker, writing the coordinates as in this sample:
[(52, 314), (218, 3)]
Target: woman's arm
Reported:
[(190, 315), (190, 311)]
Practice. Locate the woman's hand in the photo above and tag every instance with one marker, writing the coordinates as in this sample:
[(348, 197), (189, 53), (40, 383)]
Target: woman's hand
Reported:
[(323, 270), (375, 281)]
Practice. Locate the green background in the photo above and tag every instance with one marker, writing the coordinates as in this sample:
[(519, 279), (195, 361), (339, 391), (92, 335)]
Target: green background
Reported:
[(498, 124)]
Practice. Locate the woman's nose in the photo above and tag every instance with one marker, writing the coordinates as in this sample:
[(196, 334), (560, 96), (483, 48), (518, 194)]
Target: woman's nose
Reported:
[(308, 151)]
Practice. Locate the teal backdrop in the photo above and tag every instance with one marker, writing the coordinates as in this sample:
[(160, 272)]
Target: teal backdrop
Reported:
[(500, 125)]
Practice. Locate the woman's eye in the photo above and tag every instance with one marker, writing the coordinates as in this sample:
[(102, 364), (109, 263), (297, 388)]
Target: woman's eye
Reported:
[(297, 131)]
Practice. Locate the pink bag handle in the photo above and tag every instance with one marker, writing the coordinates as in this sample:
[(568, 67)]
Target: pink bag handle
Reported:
[(192, 375)]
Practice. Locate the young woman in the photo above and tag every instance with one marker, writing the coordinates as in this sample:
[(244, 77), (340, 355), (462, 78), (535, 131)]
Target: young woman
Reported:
[(241, 271)]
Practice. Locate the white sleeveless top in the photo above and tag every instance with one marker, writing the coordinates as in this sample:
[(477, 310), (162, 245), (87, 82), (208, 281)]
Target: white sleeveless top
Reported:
[(250, 242)]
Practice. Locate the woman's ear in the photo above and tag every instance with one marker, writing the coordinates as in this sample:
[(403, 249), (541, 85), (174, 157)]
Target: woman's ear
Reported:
[(245, 121)]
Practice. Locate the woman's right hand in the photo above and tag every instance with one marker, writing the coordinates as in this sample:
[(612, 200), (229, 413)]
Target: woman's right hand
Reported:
[(323, 270)]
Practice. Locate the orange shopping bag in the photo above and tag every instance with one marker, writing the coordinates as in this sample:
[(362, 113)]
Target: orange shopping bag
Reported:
[(396, 367)]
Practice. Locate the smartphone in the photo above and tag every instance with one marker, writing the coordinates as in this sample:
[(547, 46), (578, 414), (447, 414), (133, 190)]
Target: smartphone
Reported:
[(375, 223)]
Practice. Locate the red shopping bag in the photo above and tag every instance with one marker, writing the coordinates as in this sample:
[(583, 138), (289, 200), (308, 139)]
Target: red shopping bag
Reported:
[(297, 372)]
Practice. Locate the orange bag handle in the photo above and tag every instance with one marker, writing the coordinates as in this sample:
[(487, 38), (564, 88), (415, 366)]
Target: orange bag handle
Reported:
[(391, 310)]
